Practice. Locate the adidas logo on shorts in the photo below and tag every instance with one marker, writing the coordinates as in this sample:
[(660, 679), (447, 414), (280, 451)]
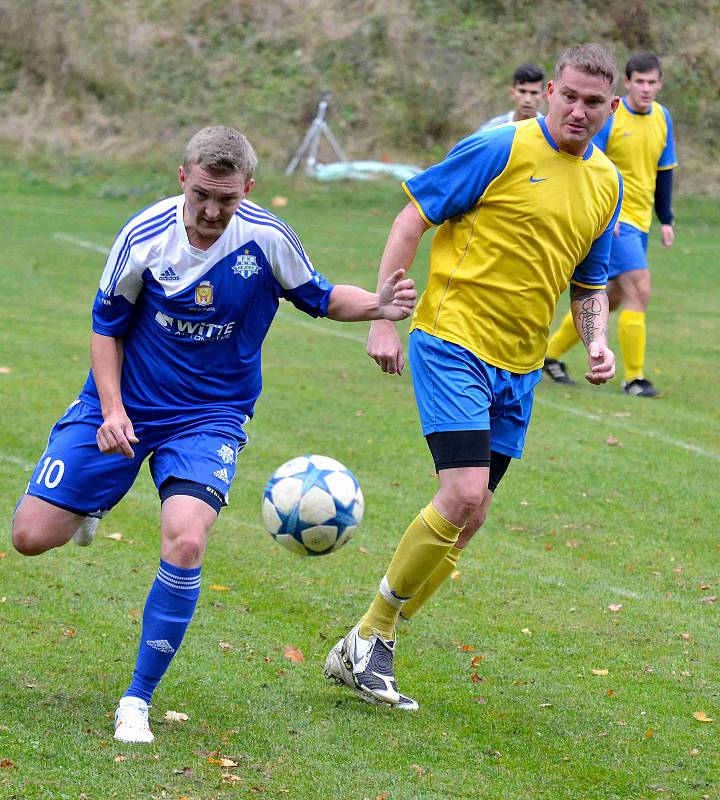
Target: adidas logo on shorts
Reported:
[(222, 474), (160, 644)]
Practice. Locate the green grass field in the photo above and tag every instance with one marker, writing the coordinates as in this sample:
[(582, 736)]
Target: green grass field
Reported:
[(577, 526)]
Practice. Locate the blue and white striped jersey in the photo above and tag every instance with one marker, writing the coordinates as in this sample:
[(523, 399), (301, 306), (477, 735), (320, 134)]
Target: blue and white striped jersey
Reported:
[(193, 321)]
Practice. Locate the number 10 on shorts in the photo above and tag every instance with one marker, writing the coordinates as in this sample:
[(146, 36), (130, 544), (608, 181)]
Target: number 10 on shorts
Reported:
[(51, 472)]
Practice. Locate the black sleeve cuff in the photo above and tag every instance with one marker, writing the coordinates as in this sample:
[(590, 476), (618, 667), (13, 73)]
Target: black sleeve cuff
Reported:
[(663, 196)]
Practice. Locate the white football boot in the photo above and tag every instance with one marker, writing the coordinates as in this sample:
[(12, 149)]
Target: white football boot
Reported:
[(131, 721), (366, 667), (85, 534)]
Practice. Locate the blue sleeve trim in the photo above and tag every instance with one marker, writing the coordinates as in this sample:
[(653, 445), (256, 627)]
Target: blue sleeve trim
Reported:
[(312, 297), (111, 315), (668, 158), (663, 196), (593, 269), (457, 183)]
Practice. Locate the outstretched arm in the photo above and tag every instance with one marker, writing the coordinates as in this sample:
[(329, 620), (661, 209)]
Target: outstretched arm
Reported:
[(394, 300), (590, 313), (384, 345)]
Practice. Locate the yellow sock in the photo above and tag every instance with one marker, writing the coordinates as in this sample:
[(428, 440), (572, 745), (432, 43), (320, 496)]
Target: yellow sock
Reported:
[(632, 332), (422, 548), (443, 571), (564, 338)]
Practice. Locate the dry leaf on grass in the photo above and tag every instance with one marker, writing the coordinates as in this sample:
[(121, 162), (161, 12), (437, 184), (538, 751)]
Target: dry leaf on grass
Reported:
[(600, 671), (685, 637), (701, 716), (176, 716), (70, 633), (455, 574), (418, 769), (613, 442), (546, 705), (295, 654), (475, 678), (476, 660), (119, 759), (228, 777), (134, 614), (116, 537), (7, 763), (615, 607), (3, 554), (363, 550), (526, 631), (216, 587), (5, 370), (225, 646), (710, 599)]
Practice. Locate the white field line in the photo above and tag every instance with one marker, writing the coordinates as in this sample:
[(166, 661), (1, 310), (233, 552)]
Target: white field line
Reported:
[(689, 447), (15, 461), (618, 423), (84, 243)]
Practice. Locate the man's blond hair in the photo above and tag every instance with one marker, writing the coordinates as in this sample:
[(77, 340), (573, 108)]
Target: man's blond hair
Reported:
[(221, 149), (592, 59)]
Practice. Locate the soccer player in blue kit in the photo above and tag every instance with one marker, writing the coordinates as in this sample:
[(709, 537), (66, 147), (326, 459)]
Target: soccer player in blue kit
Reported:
[(521, 211), (189, 291)]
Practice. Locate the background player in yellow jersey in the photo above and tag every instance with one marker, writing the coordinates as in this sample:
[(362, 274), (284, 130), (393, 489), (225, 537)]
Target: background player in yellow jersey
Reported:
[(639, 140), (520, 210)]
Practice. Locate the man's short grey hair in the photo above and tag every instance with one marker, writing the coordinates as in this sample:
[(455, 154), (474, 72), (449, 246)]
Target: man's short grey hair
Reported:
[(221, 149), (592, 59)]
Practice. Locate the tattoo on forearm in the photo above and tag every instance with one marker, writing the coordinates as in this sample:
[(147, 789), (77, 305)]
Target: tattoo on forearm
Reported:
[(591, 307)]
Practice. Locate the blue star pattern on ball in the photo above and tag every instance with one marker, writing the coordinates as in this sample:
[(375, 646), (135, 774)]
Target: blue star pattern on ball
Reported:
[(312, 505)]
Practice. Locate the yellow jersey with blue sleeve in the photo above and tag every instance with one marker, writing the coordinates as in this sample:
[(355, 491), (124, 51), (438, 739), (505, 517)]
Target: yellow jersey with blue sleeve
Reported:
[(639, 145), (517, 220)]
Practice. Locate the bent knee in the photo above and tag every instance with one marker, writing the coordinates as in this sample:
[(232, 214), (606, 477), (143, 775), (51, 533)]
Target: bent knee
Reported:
[(27, 540), (184, 550)]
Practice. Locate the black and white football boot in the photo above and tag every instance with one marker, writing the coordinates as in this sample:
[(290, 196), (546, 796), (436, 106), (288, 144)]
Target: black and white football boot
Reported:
[(366, 667)]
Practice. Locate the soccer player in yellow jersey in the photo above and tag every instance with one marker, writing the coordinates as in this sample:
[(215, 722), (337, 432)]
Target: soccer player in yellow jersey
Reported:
[(521, 211), (639, 141)]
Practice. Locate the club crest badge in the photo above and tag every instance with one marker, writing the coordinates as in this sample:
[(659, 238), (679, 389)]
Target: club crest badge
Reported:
[(246, 265), (204, 293)]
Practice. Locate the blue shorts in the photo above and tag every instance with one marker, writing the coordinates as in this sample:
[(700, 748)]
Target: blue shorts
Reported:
[(73, 474), (628, 250), (457, 391)]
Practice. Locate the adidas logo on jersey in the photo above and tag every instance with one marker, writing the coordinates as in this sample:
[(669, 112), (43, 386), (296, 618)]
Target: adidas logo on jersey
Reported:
[(160, 644), (223, 475), (169, 275)]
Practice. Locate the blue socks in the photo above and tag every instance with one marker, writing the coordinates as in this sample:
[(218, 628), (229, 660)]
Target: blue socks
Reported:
[(168, 611)]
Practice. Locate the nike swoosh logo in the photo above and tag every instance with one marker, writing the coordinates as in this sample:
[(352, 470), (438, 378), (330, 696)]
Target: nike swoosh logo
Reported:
[(537, 180)]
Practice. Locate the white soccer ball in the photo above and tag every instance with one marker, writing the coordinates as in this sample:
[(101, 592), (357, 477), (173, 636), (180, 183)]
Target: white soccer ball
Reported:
[(312, 505)]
